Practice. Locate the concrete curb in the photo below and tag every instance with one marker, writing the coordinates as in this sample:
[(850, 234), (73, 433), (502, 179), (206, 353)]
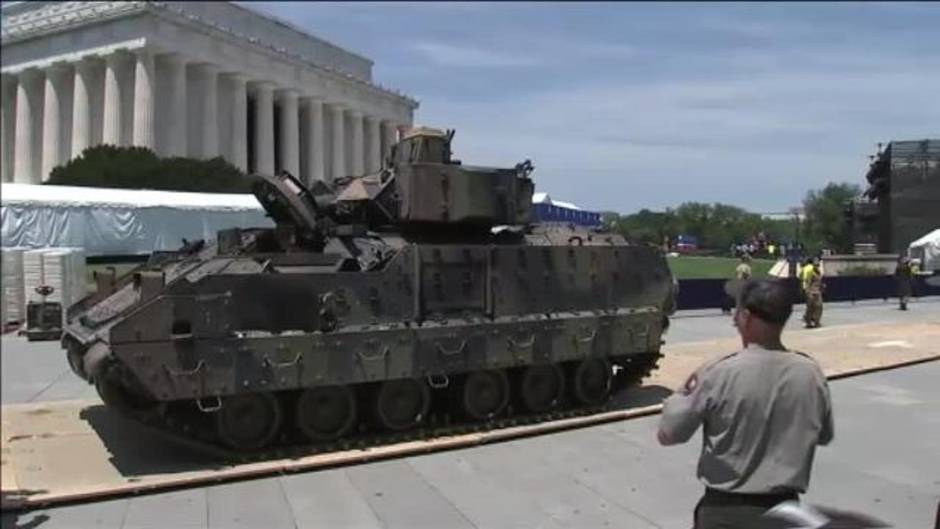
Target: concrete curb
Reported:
[(865, 370)]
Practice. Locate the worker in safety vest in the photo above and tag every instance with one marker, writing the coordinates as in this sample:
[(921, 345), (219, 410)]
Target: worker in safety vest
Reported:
[(811, 279)]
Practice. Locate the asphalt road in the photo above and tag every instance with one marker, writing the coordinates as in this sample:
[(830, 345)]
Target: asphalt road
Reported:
[(883, 462)]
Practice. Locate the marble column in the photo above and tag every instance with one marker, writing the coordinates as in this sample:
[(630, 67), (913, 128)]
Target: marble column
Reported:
[(389, 138), (7, 128), (144, 132), (28, 123), (264, 128), (81, 108), (224, 114), (289, 145), (53, 120), (176, 111), (113, 99), (314, 167), (338, 141), (208, 75), (96, 99), (373, 140), (358, 143), (238, 135), (128, 74)]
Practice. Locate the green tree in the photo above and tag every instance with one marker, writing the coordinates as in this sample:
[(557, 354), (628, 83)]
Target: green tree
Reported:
[(780, 230), (692, 219), (716, 226), (646, 226), (140, 168), (823, 224), (730, 224)]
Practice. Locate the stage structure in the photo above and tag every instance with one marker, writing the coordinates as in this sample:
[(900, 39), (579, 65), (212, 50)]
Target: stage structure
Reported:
[(902, 202)]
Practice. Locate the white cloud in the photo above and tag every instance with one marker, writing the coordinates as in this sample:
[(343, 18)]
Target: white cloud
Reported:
[(521, 51), (444, 54), (563, 47), (602, 49), (762, 142)]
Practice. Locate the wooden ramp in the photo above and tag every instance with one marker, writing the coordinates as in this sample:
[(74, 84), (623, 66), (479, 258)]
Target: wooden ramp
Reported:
[(68, 451)]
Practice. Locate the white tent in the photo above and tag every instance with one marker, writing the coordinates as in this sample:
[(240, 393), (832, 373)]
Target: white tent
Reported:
[(544, 198), (927, 249), (107, 221)]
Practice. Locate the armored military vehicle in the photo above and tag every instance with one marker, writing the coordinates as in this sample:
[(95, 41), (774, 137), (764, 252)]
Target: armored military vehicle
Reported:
[(374, 303)]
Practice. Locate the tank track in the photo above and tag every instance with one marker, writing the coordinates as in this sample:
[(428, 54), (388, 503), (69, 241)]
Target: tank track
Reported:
[(183, 423)]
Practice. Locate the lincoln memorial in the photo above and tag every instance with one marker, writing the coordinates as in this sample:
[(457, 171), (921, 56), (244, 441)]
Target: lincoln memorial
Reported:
[(194, 79)]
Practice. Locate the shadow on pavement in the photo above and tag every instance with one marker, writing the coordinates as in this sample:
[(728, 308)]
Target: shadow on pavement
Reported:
[(139, 450), (638, 397), (15, 520)]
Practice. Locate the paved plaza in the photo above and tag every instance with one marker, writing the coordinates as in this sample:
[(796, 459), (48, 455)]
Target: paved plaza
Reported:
[(883, 462)]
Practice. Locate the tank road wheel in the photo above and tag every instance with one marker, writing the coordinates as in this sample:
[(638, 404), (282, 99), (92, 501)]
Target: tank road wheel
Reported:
[(249, 421), (592, 381), (542, 387), (111, 387), (126, 402), (485, 394), (326, 413), (76, 362), (402, 404), (75, 353)]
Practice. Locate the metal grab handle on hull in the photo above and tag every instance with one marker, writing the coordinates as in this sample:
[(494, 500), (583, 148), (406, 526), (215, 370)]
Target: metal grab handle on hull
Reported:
[(441, 349), (439, 385), (588, 339), (382, 354), (267, 361), (210, 408), (183, 372), (521, 345)]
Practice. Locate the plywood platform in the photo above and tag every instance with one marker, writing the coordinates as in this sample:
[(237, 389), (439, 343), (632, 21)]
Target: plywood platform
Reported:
[(65, 451)]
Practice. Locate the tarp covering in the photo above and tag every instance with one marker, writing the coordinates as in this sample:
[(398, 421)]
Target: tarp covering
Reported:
[(927, 249), (119, 221), (545, 209)]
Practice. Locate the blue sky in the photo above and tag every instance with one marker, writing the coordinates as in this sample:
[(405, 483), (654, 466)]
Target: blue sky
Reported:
[(622, 106)]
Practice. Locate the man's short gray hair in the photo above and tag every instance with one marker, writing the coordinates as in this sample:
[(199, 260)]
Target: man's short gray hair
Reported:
[(769, 300)]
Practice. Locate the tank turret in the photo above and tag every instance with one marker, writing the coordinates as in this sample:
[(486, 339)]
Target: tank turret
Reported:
[(433, 188)]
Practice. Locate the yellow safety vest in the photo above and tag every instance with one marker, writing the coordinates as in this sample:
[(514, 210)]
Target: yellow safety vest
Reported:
[(805, 274)]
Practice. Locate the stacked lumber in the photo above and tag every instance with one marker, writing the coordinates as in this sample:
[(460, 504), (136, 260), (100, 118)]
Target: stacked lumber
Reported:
[(13, 304), (63, 269)]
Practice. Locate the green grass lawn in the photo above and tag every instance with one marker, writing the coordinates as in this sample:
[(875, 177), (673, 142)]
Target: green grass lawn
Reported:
[(688, 267)]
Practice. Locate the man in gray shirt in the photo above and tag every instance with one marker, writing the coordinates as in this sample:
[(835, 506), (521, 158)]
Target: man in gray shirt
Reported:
[(762, 410)]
